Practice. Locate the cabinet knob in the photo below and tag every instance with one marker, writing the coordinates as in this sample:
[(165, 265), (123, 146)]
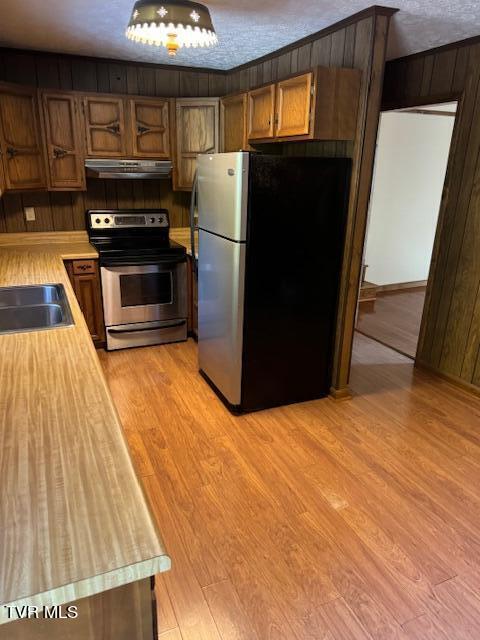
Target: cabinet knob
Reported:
[(11, 152), (141, 129)]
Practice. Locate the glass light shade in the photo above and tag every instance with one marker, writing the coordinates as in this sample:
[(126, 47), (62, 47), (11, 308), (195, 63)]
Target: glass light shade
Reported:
[(174, 24)]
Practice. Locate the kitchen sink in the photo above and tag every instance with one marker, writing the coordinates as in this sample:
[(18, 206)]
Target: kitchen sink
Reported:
[(30, 295), (33, 308)]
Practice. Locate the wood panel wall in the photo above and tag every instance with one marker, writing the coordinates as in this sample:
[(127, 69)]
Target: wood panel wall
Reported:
[(65, 211), (450, 333), (358, 42)]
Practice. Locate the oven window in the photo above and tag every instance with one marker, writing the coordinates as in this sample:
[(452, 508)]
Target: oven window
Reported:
[(140, 289)]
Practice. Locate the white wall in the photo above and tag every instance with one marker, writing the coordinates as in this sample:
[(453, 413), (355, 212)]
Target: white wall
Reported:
[(410, 167)]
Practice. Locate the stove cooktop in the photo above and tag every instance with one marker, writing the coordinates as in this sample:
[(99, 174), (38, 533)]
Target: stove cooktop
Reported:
[(127, 236)]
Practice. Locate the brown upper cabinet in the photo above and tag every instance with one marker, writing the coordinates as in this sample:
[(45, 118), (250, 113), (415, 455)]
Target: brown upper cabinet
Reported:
[(120, 127), (197, 129), (21, 139), (105, 130), (233, 123), (293, 106), (149, 128), (261, 113), (319, 105), (63, 140)]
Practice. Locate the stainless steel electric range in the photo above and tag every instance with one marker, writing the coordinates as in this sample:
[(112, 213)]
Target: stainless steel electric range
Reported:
[(143, 274)]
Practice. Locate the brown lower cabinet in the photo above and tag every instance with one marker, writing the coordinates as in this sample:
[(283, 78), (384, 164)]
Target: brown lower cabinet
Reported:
[(85, 278), (124, 613)]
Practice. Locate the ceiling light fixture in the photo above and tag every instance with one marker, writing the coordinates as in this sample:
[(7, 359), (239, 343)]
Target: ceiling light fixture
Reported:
[(173, 24)]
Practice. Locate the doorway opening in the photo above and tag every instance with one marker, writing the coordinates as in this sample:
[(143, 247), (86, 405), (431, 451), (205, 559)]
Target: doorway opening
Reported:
[(413, 146)]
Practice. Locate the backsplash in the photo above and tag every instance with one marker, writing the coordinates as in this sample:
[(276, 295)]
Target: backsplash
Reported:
[(65, 210)]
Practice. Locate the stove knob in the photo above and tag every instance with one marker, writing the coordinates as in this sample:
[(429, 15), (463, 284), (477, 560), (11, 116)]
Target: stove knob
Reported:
[(107, 220), (160, 220), (98, 221), (152, 220)]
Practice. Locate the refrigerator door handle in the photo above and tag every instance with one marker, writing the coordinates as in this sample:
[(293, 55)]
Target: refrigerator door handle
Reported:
[(193, 228)]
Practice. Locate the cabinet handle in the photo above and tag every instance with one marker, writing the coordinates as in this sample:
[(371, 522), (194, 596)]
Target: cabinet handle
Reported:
[(59, 153), (141, 129), (113, 128), (11, 152)]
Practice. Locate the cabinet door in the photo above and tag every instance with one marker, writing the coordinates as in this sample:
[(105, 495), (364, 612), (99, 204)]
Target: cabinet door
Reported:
[(150, 131), (234, 123), (88, 292), (261, 106), (63, 141), (105, 131), (197, 132), (293, 106), (21, 141)]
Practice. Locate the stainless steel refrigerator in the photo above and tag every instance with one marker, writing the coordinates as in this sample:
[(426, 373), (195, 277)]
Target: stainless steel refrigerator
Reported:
[(271, 232)]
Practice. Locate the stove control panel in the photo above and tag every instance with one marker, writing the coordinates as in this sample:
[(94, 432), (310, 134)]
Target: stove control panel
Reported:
[(138, 220)]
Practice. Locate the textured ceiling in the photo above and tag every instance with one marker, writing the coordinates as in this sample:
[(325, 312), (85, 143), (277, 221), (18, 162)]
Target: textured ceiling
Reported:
[(246, 29)]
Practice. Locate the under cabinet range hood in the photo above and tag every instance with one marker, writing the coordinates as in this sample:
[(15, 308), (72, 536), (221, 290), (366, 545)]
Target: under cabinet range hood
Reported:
[(128, 169)]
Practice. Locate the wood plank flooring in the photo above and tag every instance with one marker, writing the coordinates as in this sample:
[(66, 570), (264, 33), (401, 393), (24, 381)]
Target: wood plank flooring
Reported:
[(394, 319), (327, 520)]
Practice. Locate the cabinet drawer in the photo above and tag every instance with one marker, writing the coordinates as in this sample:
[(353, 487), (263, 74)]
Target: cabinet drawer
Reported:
[(83, 266)]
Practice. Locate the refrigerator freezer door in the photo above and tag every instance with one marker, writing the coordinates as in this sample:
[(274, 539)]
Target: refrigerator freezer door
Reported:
[(223, 194), (220, 313)]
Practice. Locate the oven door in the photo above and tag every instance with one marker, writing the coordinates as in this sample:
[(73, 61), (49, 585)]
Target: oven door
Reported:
[(144, 292)]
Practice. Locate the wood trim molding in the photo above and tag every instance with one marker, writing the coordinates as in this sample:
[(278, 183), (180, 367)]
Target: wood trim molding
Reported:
[(96, 60), (400, 286), (458, 44), (458, 382), (429, 112), (364, 154), (340, 394), (420, 101), (341, 24), (374, 10)]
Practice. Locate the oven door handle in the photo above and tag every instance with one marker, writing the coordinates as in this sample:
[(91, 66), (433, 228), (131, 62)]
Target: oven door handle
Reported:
[(143, 262), (179, 323)]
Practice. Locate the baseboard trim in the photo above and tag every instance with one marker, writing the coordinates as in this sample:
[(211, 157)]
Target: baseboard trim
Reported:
[(448, 377), (399, 286), (340, 394)]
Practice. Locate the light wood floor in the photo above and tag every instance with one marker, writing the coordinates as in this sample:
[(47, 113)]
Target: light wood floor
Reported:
[(328, 520), (394, 319)]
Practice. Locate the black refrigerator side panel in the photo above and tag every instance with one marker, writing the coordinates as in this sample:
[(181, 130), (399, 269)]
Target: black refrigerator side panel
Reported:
[(295, 237)]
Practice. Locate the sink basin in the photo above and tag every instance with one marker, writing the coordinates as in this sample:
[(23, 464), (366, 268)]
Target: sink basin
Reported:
[(33, 308), (35, 294)]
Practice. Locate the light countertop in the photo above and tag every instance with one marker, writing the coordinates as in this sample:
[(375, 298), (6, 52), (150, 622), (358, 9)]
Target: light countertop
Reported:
[(74, 520), (182, 236)]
